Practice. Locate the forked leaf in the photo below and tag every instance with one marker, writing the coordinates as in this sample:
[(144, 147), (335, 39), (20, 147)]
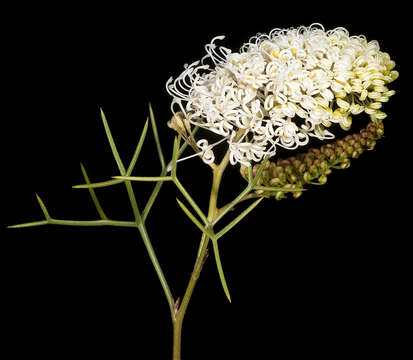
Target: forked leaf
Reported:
[(138, 149), (112, 144), (259, 171), (271, 188), (45, 212), (174, 157), (143, 178), (194, 219), (220, 269), (238, 218), (98, 184), (30, 224), (156, 136), (100, 222), (128, 172), (93, 194), (190, 200)]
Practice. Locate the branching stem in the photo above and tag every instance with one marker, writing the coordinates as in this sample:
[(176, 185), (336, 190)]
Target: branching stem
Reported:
[(217, 173)]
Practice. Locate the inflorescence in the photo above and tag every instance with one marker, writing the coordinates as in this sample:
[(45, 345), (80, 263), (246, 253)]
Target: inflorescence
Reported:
[(313, 166), (282, 88)]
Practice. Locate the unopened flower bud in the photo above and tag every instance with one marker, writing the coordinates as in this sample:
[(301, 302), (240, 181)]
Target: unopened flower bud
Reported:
[(297, 194), (364, 134), (255, 169), (313, 170), (380, 133), (324, 165), (275, 181), (315, 151), (371, 144), (244, 171), (278, 170), (265, 177), (355, 154), (283, 162), (345, 164), (307, 177), (296, 163), (339, 150), (308, 161), (322, 179), (180, 124), (293, 178), (349, 150), (328, 152)]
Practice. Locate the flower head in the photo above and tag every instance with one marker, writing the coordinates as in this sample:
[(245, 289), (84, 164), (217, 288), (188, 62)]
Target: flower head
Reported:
[(282, 88)]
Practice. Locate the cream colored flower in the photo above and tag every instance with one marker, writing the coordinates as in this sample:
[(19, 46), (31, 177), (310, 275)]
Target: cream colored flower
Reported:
[(282, 88)]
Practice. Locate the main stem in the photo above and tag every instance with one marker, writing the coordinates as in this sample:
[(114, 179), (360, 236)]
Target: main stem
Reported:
[(202, 254)]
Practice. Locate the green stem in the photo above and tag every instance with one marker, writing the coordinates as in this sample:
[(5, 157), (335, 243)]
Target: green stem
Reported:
[(202, 255)]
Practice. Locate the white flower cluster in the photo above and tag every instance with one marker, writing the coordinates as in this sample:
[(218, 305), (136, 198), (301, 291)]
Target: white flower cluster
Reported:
[(282, 88)]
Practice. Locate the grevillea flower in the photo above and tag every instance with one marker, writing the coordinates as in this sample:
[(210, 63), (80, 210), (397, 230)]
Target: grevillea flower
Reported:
[(282, 88)]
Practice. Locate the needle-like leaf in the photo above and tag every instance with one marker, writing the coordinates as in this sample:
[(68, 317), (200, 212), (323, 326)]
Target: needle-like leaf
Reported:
[(158, 185), (103, 222), (45, 212), (98, 184), (138, 149), (270, 188), (238, 218), (174, 157), (259, 172), (214, 243), (144, 178), (229, 206), (128, 172), (220, 269), (155, 134), (93, 194), (112, 144), (29, 224), (194, 219), (190, 200)]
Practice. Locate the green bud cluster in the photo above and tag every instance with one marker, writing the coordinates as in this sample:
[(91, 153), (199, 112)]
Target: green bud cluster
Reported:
[(315, 165)]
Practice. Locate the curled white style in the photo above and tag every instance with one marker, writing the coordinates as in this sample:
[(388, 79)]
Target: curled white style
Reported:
[(282, 88)]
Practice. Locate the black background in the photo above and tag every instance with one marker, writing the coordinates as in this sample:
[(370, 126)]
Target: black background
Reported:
[(323, 275)]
